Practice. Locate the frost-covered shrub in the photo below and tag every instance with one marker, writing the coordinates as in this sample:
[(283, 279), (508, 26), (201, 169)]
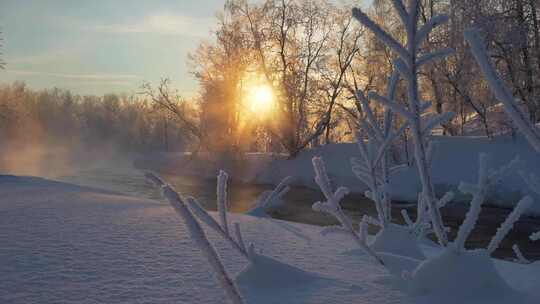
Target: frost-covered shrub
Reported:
[(409, 62), (332, 207), (373, 169), (460, 272), (374, 141)]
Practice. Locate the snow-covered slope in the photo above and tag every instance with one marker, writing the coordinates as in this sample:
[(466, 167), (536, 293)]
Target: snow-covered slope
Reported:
[(61, 243)]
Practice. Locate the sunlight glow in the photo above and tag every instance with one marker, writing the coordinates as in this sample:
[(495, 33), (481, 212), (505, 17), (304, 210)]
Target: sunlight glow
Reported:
[(260, 99)]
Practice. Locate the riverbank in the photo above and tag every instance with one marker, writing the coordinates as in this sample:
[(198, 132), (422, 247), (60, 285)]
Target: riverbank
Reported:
[(455, 160), (66, 243)]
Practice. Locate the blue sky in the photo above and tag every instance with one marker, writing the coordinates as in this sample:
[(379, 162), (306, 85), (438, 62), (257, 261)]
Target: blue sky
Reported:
[(103, 46), (100, 46)]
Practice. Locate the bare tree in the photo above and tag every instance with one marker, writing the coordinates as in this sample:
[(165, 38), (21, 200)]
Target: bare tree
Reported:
[(167, 99), (344, 50), (290, 39)]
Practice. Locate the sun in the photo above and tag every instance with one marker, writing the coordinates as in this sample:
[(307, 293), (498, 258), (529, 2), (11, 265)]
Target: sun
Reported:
[(260, 99)]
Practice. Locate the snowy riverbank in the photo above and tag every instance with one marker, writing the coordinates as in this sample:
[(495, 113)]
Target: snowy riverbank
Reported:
[(68, 244), (455, 160)]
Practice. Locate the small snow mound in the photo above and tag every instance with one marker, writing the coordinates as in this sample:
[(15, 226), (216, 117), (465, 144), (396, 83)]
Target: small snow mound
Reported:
[(267, 273), (460, 274), (398, 264), (398, 240), (268, 281)]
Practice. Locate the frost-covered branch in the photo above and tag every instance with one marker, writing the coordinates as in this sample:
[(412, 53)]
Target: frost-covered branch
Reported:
[(393, 105), (270, 198), (222, 199), (519, 255), (500, 90), (423, 225), (532, 181), (203, 215), (406, 218), (508, 224), (435, 55), (332, 207), (424, 31), (380, 33), (221, 228), (479, 192), (437, 120), (199, 237)]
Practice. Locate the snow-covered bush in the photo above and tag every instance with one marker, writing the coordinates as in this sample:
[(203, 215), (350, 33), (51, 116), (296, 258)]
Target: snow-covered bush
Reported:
[(408, 64), (460, 272), (262, 272), (374, 140), (332, 207), (500, 90), (198, 235)]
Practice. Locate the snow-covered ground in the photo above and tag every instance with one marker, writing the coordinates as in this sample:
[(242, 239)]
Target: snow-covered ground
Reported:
[(455, 160), (61, 243)]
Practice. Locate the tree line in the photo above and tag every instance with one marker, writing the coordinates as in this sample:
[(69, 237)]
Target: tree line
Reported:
[(59, 118), (315, 57)]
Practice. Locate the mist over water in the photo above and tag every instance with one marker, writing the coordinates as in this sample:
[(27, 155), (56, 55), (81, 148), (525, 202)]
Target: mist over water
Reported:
[(103, 167)]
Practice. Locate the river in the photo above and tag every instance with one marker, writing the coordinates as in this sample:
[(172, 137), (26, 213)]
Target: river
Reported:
[(298, 201)]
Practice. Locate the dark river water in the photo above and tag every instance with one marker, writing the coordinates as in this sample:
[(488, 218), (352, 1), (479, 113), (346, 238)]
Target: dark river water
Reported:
[(131, 181)]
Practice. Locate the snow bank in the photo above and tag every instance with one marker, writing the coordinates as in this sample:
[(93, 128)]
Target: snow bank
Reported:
[(68, 244), (461, 275), (455, 160)]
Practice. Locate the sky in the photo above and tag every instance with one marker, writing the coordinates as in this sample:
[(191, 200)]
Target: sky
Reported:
[(103, 46)]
